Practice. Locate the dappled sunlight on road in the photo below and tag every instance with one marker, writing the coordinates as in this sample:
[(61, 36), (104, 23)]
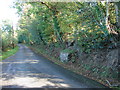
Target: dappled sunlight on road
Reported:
[(26, 79), (26, 69), (20, 62)]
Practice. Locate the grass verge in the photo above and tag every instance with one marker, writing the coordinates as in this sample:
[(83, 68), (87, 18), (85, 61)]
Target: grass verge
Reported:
[(8, 53)]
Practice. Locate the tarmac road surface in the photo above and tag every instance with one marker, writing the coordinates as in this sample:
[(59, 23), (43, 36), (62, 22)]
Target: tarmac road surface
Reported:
[(26, 69)]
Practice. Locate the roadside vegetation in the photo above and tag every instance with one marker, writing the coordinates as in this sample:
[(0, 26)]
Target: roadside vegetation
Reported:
[(82, 36), (9, 52), (8, 42)]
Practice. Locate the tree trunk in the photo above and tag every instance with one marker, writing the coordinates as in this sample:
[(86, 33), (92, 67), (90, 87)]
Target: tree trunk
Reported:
[(107, 16), (41, 38), (117, 9), (75, 36), (55, 21), (57, 27), (13, 33)]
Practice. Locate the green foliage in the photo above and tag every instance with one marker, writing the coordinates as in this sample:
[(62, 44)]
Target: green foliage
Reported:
[(48, 22), (8, 53), (8, 35), (116, 88), (53, 25), (68, 50)]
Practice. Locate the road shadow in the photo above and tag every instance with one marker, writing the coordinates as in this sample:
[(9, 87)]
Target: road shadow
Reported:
[(25, 69)]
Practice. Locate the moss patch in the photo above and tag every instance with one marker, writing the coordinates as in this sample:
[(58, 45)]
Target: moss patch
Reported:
[(67, 50)]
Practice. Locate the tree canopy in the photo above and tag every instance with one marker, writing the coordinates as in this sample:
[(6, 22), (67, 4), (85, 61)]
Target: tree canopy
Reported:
[(88, 24)]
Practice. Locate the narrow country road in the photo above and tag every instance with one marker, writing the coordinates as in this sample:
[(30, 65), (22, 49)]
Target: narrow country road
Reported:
[(26, 69)]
